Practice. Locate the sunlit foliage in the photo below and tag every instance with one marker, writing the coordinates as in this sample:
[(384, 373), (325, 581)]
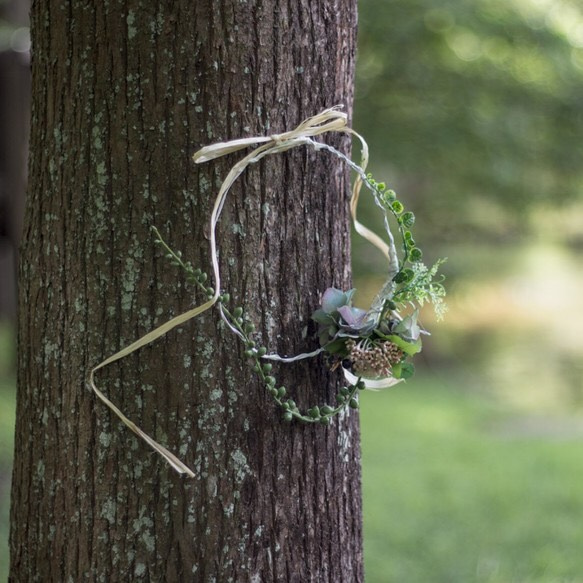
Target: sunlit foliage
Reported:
[(474, 104)]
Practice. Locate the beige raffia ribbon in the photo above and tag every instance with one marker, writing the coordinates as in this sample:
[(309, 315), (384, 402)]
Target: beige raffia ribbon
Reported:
[(330, 120)]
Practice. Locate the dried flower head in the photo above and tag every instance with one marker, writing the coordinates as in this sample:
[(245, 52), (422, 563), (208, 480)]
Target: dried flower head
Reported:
[(373, 360)]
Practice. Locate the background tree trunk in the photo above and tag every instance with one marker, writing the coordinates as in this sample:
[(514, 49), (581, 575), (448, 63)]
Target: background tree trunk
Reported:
[(14, 111), (123, 93)]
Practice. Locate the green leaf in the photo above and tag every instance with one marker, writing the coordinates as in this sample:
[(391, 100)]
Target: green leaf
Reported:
[(403, 370), (415, 254), (409, 348), (397, 206), (396, 369), (408, 328), (334, 298), (404, 276), (337, 346), (322, 317), (407, 370), (408, 219)]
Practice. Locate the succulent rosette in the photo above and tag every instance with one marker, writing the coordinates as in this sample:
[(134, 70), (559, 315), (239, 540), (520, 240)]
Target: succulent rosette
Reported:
[(372, 345)]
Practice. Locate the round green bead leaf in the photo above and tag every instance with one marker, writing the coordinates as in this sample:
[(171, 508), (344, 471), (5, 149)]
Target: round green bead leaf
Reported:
[(408, 219), (415, 254), (397, 206)]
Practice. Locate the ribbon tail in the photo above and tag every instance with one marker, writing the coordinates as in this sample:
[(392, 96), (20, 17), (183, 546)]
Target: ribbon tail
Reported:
[(179, 466)]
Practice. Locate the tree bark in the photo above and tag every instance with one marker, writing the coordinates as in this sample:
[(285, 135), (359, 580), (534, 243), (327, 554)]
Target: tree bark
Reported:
[(123, 93)]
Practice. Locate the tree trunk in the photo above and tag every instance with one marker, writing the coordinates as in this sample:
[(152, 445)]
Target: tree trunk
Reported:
[(123, 93)]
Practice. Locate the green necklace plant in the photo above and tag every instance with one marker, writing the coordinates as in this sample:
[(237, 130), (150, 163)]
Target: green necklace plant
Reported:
[(240, 324), (379, 343), (373, 348)]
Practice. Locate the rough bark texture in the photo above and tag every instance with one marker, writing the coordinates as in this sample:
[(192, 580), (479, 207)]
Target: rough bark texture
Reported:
[(123, 93)]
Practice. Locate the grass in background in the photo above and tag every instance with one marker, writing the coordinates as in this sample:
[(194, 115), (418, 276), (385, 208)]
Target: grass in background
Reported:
[(457, 489), (7, 418)]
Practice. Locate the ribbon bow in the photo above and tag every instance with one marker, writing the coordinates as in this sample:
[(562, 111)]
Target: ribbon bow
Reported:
[(330, 120)]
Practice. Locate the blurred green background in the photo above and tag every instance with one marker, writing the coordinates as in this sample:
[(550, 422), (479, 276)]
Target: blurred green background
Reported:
[(472, 470)]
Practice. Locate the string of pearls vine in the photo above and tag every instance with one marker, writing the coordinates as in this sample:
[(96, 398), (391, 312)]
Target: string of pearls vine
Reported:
[(240, 323)]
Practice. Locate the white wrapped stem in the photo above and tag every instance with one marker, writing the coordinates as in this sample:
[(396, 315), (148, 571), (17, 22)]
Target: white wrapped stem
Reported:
[(372, 384)]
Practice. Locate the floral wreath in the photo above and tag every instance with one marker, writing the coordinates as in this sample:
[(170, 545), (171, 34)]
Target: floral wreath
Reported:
[(373, 347)]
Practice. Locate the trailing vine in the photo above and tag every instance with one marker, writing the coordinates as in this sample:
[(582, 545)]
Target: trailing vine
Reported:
[(415, 284), (239, 322)]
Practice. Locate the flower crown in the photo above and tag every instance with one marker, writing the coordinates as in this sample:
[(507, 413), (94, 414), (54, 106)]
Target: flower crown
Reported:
[(373, 348)]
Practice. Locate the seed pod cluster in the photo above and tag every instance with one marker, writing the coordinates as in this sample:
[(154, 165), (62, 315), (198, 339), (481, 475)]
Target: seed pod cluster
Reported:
[(375, 360)]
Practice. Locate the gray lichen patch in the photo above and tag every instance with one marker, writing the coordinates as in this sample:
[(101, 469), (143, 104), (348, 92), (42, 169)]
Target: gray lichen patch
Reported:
[(140, 570), (143, 527), (215, 394), (131, 21), (238, 229), (130, 275), (109, 510), (105, 439), (240, 465)]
